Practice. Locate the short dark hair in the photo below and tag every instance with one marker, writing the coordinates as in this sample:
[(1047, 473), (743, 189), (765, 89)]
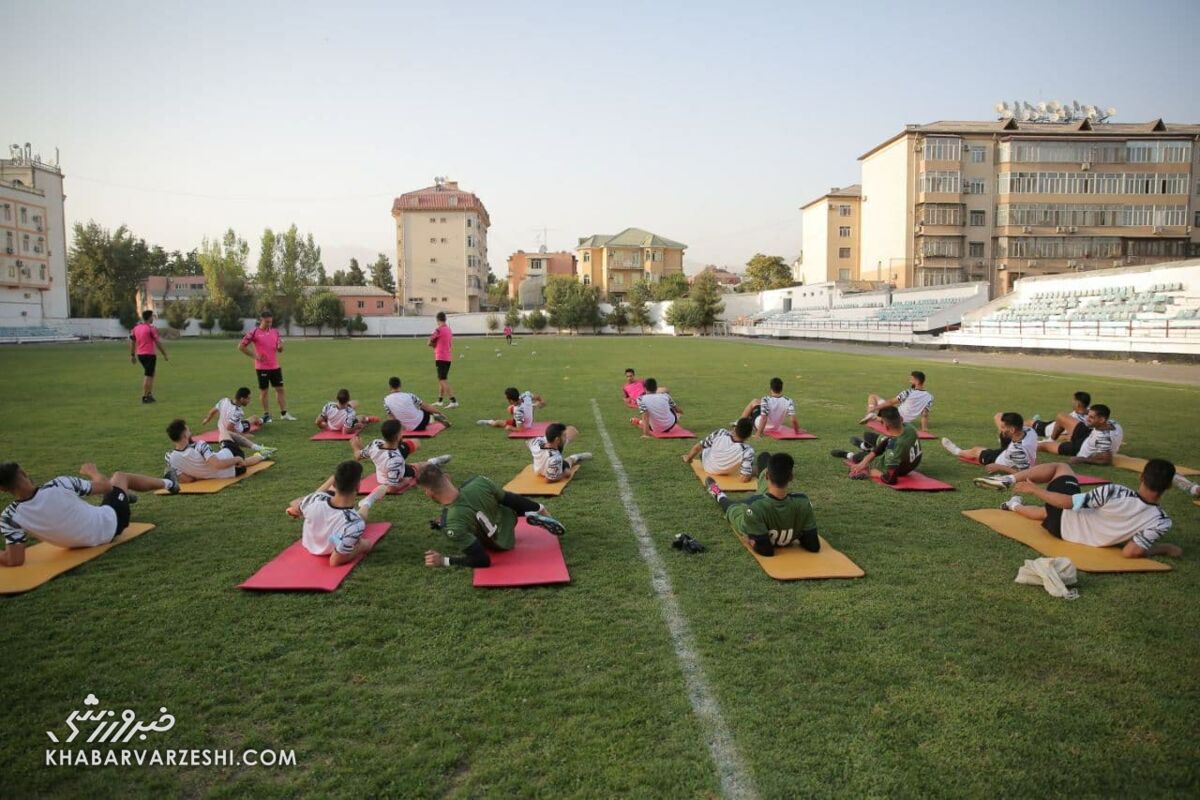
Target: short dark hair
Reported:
[(346, 476), (512, 394), (891, 414), (343, 396), (9, 471), (243, 391), (441, 316), (394, 382), (1102, 410), (1158, 475), (266, 313), (776, 384), (431, 476), (391, 429), (554, 430), (650, 385), (630, 370), (147, 315), (744, 427), (1013, 420), (1083, 398), (175, 429), (920, 376), (779, 469)]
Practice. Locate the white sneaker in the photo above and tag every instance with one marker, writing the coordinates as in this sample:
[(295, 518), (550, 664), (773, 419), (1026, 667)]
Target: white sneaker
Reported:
[(267, 452), (950, 446), (288, 416), (452, 404), (1011, 503), (1184, 485), (997, 482), (486, 423), (578, 457), (440, 460), (439, 404)]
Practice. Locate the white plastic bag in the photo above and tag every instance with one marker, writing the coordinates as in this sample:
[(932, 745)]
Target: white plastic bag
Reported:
[(1052, 574)]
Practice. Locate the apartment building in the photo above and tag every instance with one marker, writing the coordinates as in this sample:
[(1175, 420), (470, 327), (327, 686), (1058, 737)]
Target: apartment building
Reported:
[(159, 291), (33, 250), (830, 234), (441, 249), (527, 274), (616, 263), (997, 201)]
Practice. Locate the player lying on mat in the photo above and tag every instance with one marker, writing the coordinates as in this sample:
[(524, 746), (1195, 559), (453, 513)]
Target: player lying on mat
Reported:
[(233, 427), (772, 410), (56, 513), (196, 461), (1094, 441), (547, 452), (773, 517), (413, 412), (914, 402), (1017, 451), (634, 388), (1107, 515), (520, 410), (659, 413), (900, 449), (333, 524), (478, 516), (390, 456), (340, 415), (1063, 421), (725, 452)]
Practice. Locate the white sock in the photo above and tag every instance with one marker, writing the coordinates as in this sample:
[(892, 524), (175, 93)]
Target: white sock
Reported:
[(1052, 431), (1007, 480), (952, 447), (168, 483)]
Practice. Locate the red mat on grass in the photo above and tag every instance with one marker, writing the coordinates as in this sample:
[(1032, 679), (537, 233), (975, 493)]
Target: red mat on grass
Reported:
[(431, 430), (677, 432), (214, 436), (331, 436), (533, 431), (297, 570), (536, 560), (913, 482), (371, 483), (787, 433), (877, 426)]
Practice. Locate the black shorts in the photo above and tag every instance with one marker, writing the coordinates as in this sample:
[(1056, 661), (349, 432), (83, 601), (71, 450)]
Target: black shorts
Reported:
[(424, 423), (148, 364), (118, 501), (667, 429), (233, 448), (405, 451), (1064, 484), (274, 377), (1078, 436), (443, 369), (989, 456)]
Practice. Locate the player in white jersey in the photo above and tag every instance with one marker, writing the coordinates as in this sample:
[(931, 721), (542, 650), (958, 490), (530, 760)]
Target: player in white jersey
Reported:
[(1017, 451), (1064, 421), (57, 514), (233, 427), (547, 452), (197, 461), (414, 413), (390, 455), (1094, 441), (772, 410), (725, 452), (520, 410), (333, 524), (340, 415), (659, 413), (1107, 515), (913, 403)]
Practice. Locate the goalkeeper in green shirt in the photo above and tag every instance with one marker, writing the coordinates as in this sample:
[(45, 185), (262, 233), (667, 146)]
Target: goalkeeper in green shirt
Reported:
[(899, 449), (773, 517)]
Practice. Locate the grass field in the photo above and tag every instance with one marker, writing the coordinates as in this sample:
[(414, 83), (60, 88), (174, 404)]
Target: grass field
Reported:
[(935, 675)]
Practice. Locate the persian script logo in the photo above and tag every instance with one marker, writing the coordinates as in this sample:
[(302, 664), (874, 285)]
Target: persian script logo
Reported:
[(109, 728)]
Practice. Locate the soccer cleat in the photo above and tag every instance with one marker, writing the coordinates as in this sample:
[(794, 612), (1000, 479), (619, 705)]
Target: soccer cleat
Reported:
[(871, 416), (545, 521), (1036, 418), (711, 486), (950, 446), (578, 457), (440, 460), (635, 421), (485, 423), (840, 454), (452, 404), (859, 476), (172, 476), (146, 399), (442, 418), (1011, 503), (686, 543), (266, 418), (439, 403), (267, 452), (287, 416), (997, 482), (1184, 485)]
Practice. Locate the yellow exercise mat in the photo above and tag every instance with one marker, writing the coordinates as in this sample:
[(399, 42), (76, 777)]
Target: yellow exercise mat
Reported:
[(1086, 558), (45, 561), (794, 563), (530, 483), (1135, 464), (728, 483), (213, 485)]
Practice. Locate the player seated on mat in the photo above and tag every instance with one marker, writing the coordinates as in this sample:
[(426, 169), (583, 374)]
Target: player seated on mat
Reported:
[(390, 456), (659, 413), (773, 517), (1107, 515), (340, 415), (333, 524), (900, 449), (520, 410), (1094, 441), (634, 388), (196, 461), (478, 516), (1064, 420), (413, 412), (1017, 451), (232, 426), (772, 410), (914, 402), (547, 451), (725, 452), (56, 513)]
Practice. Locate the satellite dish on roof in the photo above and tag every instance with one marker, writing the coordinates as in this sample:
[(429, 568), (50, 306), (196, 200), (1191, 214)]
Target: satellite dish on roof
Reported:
[(1001, 107)]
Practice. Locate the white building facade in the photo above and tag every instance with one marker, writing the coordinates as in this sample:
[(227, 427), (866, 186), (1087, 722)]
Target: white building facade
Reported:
[(33, 250)]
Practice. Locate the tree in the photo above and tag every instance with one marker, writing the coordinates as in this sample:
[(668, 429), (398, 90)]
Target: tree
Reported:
[(224, 266), (301, 316), (497, 292), (339, 278), (208, 319), (382, 274), (355, 275), (267, 274), (766, 272), (322, 278), (512, 317), (672, 286), (229, 317), (536, 321), (618, 317), (684, 315), (105, 270), (639, 313), (176, 315), (571, 304), (180, 264), (326, 310), (293, 277), (493, 323), (356, 325), (706, 297)]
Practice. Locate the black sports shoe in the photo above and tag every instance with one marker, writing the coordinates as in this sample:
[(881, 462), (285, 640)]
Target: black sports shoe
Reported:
[(686, 543), (841, 454), (858, 442), (172, 476), (547, 522)]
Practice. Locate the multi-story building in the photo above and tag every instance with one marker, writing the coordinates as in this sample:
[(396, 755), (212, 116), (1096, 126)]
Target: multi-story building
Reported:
[(370, 301), (723, 277), (159, 291), (616, 263), (33, 249), (830, 234), (528, 272), (964, 201), (441, 249)]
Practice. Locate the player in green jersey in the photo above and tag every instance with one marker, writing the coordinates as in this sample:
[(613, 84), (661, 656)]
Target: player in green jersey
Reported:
[(478, 516), (900, 449), (773, 517)]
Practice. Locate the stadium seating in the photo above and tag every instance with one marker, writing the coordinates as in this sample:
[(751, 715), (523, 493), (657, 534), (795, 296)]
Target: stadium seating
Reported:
[(19, 335)]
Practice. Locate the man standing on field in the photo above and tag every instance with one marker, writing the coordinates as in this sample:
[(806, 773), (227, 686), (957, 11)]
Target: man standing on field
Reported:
[(267, 345), (142, 341), (441, 340)]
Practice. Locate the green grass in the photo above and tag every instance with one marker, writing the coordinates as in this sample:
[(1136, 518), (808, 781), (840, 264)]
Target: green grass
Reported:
[(935, 675)]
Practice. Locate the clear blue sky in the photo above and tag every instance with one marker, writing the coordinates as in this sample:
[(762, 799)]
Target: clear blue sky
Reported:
[(710, 123)]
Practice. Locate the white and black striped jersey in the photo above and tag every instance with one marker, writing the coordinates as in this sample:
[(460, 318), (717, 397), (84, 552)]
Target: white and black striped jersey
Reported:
[(389, 462), (1020, 455), (722, 455), (660, 408), (1099, 441), (405, 407), (547, 461), (776, 410), (57, 514), (912, 403), (339, 418), (1112, 514), (328, 528), (231, 418), (522, 410), (197, 460)]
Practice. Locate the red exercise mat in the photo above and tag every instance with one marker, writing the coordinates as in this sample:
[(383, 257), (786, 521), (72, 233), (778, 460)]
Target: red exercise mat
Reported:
[(877, 426), (532, 432), (214, 436), (297, 570), (332, 436), (371, 483), (1084, 480), (787, 433), (431, 430), (677, 432), (913, 482), (536, 560)]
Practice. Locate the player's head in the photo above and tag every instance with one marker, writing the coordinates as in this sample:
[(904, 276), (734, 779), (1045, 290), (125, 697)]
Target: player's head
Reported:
[(743, 428), (890, 416), (441, 316), (779, 470), (242, 396), (343, 396), (265, 318), (13, 479), (394, 383), (177, 431), (776, 385), (651, 385), (391, 430), (554, 432), (1012, 422), (1098, 414), (918, 378), (1082, 401), (147, 315), (346, 477), (1157, 475), (630, 376), (511, 394), (433, 481)]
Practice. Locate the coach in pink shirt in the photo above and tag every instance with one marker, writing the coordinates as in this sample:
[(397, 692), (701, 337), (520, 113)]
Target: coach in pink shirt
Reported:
[(441, 341), (267, 344), (143, 339)]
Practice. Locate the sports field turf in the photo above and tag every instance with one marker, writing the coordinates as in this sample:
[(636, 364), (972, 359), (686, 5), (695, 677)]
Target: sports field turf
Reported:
[(935, 675)]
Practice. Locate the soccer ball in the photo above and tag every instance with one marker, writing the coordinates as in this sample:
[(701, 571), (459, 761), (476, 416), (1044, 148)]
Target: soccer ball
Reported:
[(956, 361)]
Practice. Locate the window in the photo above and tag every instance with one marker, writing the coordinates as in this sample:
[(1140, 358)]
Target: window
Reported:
[(445, 298), (443, 240), (42, 272), (844, 231), (976, 186), (37, 246), (978, 155), (25, 243), (978, 218), (433, 220), (433, 280), (469, 221), (975, 249), (379, 304), (433, 261), (941, 181), (470, 240), (8, 208), (8, 241), (941, 148), (843, 252), (361, 304), (942, 214), (941, 247), (24, 215), (443, 218), (433, 240), (843, 274), (844, 210), (587, 254), (587, 280)]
